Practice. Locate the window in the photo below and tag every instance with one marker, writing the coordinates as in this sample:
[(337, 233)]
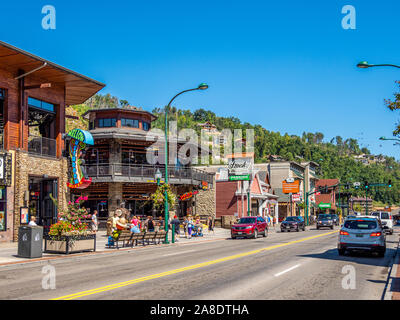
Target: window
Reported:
[(2, 94), (132, 123), (3, 206), (107, 123), (146, 126), (39, 104), (91, 125)]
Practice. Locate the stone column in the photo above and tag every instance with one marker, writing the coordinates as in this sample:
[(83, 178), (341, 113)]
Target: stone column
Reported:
[(114, 197)]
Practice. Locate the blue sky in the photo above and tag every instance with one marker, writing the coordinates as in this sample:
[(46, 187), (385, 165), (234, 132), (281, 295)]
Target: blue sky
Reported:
[(286, 65)]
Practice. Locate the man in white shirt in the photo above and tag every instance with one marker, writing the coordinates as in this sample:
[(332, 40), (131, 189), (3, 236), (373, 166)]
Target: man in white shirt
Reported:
[(33, 221)]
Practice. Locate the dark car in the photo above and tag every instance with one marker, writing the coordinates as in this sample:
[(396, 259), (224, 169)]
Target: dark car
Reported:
[(249, 227), (325, 221), (335, 219), (293, 223)]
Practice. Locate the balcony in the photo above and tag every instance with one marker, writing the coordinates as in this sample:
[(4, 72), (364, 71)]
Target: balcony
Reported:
[(145, 173), (42, 146)]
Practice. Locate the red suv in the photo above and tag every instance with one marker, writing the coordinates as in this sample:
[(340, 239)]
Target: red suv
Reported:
[(249, 227)]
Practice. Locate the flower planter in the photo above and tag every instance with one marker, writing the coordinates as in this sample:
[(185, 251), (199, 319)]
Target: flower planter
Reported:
[(69, 244)]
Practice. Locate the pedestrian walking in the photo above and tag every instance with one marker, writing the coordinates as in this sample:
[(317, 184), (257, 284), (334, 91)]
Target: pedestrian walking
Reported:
[(211, 224), (150, 224), (189, 227), (175, 221), (95, 222)]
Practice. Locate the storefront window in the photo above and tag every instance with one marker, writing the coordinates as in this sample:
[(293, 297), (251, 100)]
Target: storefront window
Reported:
[(3, 207)]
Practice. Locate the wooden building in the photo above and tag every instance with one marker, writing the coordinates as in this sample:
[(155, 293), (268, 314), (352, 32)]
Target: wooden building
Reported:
[(124, 161), (33, 95)]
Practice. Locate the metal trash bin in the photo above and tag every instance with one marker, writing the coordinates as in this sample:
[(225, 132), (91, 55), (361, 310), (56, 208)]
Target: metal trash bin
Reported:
[(30, 242)]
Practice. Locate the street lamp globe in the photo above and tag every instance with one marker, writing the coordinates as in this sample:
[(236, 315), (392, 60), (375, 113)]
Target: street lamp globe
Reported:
[(158, 174), (382, 138), (363, 65), (202, 86)]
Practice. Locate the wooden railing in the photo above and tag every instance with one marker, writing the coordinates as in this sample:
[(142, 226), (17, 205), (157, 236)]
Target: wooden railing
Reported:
[(145, 171)]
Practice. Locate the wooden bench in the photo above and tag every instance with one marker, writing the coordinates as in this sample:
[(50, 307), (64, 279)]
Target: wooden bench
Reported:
[(160, 236), (149, 236), (125, 235), (136, 237)]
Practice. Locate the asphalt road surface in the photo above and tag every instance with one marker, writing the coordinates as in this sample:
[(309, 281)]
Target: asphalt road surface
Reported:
[(295, 265)]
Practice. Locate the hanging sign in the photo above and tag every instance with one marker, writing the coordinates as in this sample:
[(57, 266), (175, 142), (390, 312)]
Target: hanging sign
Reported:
[(79, 140), (188, 195), (293, 187)]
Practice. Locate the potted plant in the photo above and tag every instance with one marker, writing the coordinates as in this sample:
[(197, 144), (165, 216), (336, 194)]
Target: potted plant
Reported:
[(70, 234)]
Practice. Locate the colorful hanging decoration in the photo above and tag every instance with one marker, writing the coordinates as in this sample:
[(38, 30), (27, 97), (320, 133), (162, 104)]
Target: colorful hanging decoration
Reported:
[(79, 140)]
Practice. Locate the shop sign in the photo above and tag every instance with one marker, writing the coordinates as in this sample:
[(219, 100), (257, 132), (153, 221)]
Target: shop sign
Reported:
[(324, 205), (188, 195), (243, 177), (2, 221), (24, 215), (296, 197), (204, 185), (292, 187), (240, 166), (5, 169)]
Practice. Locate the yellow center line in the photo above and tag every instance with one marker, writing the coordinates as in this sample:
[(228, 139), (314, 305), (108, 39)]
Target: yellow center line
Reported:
[(195, 266)]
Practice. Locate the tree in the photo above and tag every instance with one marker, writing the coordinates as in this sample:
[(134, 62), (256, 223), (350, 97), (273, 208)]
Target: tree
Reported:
[(394, 105)]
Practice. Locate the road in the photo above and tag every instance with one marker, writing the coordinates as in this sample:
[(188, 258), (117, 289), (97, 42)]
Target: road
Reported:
[(295, 265)]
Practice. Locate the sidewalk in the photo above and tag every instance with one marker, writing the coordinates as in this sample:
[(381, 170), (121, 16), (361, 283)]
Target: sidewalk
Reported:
[(9, 250), (393, 284)]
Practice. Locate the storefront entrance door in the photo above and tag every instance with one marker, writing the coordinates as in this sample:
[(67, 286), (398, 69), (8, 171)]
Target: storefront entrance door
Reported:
[(40, 203)]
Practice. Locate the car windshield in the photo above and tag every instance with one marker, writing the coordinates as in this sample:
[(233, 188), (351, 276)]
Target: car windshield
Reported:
[(247, 220), (384, 215), (292, 219), (360, 224), (324, 216)]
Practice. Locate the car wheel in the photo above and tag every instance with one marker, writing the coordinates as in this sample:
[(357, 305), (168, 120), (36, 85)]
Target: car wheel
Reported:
[(317, 228), (332, 228), (265, 232), (282, 230), (298, 229), (341, 252), (255, 236), (304, 228), (233, 237)]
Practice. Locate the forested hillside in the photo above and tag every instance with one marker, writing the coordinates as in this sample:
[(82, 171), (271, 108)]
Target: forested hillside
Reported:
[(335, 155)]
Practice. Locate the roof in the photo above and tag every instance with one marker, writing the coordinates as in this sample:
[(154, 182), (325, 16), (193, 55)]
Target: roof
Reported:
[(78, 88), (153, 117), (328, 182)]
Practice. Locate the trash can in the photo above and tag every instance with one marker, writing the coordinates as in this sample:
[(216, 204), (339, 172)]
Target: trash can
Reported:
[(30, 242)]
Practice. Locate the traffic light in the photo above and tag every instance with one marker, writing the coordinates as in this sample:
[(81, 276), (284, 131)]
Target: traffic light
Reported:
[(366, 184), (390, 183)]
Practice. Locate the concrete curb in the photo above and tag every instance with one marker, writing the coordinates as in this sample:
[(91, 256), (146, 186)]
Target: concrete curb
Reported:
[(111, 251), (388, 294)]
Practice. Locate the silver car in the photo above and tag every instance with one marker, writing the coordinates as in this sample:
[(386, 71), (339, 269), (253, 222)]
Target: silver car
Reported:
[(362, 233)]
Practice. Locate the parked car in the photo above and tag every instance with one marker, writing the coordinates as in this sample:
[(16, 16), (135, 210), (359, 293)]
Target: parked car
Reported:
[(249, 227), (335, 219), (386, 220), (293, 223), (324, 221), (362, 233)]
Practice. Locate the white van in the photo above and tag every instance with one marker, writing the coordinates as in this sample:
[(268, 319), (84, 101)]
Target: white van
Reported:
[(386, 220)]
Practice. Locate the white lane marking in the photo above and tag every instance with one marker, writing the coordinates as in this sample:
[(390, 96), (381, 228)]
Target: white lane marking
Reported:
[(173, 254), (287, 270)]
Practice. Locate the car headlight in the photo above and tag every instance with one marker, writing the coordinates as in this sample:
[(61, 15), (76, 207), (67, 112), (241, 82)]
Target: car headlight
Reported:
[(249, 227)]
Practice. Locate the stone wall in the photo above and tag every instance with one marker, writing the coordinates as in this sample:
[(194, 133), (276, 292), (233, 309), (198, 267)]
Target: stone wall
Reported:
[(28, 165), (206, 202)]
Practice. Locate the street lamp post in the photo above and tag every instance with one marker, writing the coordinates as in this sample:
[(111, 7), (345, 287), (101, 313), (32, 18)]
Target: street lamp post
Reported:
[(365, 65), (202, 86)]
